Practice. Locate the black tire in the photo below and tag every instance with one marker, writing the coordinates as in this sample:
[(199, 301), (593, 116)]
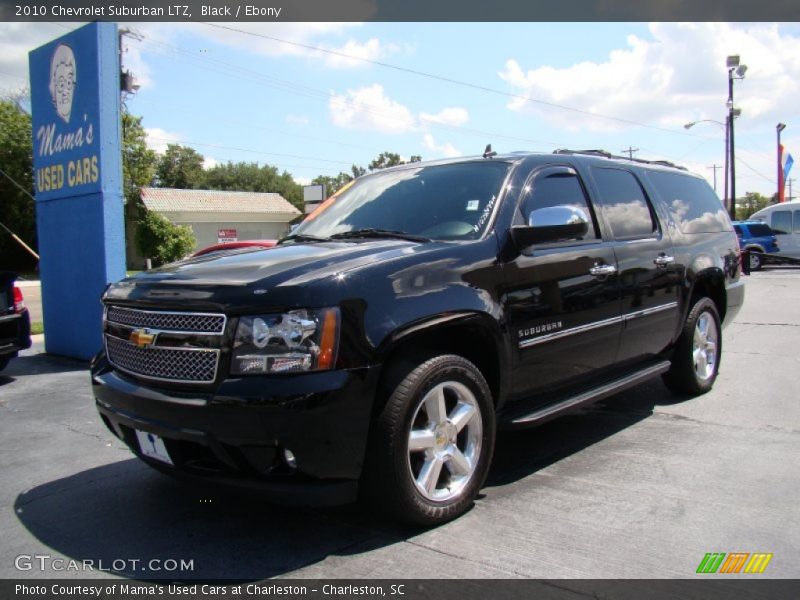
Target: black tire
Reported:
[(394, 474), (4, 360), (687, 375)]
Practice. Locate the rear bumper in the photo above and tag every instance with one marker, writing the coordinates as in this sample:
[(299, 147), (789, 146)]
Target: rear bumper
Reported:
[(735, 298), (15, 333), (237, 434)]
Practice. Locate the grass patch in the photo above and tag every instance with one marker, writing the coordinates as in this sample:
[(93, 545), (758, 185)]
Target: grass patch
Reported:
[(37, 327)]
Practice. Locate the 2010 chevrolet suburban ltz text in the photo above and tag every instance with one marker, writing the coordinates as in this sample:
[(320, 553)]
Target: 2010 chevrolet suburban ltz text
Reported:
[(378, 348)]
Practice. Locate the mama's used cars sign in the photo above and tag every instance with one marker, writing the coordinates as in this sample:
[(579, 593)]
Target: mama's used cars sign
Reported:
[(66, 111), (78, 182)]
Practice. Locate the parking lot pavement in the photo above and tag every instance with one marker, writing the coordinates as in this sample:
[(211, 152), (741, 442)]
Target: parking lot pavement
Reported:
[(640, 486)]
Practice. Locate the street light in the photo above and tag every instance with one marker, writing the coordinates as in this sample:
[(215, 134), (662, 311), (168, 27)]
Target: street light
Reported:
[(780, 127), (735, 71), (736, 113)]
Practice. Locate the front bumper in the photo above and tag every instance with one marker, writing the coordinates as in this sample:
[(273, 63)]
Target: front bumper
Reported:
[(236, 433)]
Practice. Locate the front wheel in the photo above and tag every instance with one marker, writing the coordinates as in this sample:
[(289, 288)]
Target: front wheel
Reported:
[(432, 443), (695, 362), (755, 261)]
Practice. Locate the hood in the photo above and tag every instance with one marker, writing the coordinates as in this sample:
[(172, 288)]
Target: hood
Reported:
[(279, 276)]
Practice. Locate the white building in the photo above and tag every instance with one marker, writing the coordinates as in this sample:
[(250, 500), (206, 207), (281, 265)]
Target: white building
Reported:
[(214, 215)]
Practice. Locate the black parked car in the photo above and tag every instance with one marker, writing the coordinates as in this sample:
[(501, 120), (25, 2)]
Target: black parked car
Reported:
[(15, 322), (381, 345)]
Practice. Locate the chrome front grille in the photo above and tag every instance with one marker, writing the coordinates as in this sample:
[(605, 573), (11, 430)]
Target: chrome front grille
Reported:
[(197, 365), (197, 323), (173, 353)]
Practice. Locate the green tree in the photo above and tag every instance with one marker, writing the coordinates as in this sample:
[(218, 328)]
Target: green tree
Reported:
[(162, 241), (332, 184), (252, 177), (751, 203), (17, 210), (180, 167), (138, 161), (390, 159)]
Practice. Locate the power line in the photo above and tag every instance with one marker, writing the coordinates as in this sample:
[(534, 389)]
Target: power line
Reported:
[(229, 69), (340, 162), (450, 80)]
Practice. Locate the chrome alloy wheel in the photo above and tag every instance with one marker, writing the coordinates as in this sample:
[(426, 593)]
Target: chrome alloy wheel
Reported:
[(444, 443), (704, 347)]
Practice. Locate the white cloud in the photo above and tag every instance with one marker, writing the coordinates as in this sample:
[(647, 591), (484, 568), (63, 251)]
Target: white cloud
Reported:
[(369, 109), (446, 150), (300, 120), (447, 116), (133, 62), (158, 139), (302, 180), (209, 162), (677, 76), (369, 50)]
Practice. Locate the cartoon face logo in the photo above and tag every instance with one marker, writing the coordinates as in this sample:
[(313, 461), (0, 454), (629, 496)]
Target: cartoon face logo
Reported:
[(63, 75)]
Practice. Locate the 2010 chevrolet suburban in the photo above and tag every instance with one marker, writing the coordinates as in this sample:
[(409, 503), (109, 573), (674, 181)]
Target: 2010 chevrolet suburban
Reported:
[(381, 344)]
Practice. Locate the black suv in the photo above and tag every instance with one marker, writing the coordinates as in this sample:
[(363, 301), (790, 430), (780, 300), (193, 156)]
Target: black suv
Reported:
[(380, 346)]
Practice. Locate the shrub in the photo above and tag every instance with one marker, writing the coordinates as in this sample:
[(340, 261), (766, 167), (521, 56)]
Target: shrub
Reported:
[(162, 241)]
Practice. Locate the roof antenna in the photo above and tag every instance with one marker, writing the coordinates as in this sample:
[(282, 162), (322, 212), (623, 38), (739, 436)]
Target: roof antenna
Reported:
[(488, 153)]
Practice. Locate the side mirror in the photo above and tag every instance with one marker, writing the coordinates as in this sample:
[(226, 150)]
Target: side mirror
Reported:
[(551, 224)]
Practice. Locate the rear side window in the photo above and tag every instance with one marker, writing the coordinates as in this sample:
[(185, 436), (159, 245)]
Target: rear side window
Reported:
[(624, 204), (759, 230), (738, 230), (797, 221), (692, 203), (782, 221)]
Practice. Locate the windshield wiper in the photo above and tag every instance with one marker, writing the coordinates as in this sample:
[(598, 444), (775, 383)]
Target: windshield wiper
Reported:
[(379, 233), (301, 237)]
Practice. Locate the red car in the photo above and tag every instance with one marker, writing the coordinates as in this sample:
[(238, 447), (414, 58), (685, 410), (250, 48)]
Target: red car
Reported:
[(233, 245)]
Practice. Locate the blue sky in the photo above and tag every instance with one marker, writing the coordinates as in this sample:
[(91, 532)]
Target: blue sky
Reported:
[(236, 96)]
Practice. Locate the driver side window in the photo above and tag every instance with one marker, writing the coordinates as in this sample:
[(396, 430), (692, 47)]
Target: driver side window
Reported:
[(557, 189)]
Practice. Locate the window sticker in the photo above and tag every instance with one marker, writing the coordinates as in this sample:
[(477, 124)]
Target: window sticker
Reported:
[(473, 205)]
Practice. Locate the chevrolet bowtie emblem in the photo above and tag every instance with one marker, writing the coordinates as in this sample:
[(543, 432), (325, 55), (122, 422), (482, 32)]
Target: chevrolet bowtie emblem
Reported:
[(142, 338)]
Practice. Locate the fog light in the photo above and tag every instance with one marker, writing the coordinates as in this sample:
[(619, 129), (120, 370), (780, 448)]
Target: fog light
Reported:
[(288, 456)]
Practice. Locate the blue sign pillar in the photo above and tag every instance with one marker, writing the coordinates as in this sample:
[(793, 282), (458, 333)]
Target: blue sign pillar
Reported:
[(75, 97)]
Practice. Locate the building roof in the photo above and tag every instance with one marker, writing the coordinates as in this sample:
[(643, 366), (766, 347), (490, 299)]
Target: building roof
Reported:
[(173, 200)]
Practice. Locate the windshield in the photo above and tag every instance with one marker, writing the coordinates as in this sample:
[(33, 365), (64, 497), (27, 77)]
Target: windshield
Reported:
[(444, 202)]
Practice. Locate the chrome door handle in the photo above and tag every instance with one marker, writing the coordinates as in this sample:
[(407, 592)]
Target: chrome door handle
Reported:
[(663, 260), (602, 270)]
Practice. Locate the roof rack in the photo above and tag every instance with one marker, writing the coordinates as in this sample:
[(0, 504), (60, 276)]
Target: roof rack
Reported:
[(605, 154)]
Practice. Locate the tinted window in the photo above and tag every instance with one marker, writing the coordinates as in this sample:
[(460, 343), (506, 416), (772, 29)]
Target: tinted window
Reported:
[(452, 201), (624, 205), (759, 229), (782, 221), (797, 221), (692, 203), (562, 189), (737, 229)]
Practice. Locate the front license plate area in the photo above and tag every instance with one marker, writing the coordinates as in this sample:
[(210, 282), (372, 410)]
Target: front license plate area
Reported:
[(153, 446)]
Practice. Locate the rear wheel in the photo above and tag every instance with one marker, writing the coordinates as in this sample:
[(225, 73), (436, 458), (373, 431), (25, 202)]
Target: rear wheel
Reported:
[(431, 445), (695, 362), (755, 260)]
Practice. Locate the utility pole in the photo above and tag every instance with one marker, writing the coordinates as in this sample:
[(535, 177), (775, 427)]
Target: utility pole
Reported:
[(716, 168), (630, 150), (789, 181)]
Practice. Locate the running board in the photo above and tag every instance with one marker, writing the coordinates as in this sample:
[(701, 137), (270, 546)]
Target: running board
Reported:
[(554, 410)]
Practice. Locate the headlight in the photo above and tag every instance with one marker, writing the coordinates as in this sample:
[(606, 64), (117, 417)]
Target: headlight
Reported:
[(299, 340)]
